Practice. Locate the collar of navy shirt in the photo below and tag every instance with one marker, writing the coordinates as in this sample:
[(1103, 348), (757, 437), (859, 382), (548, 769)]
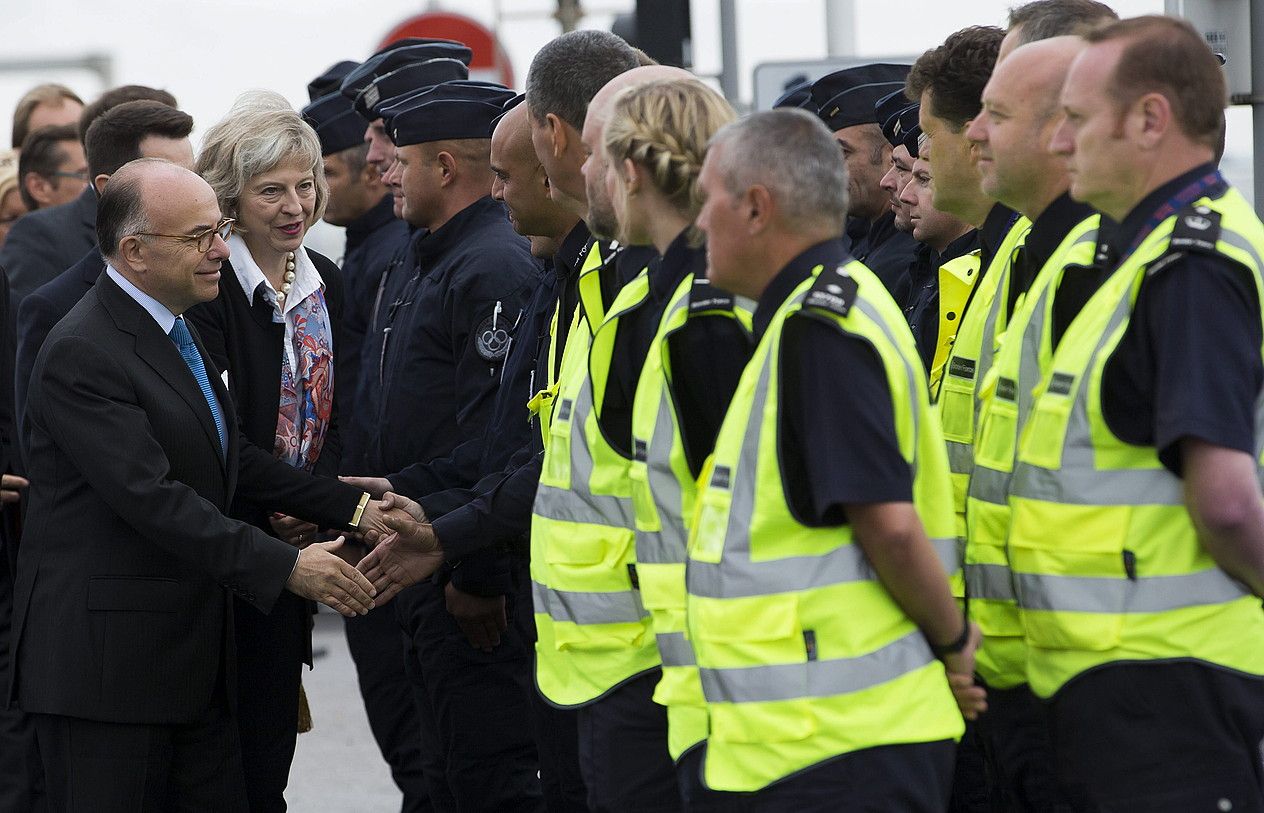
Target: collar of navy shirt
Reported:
[(1118, 236), (828, 253), (363, 226)]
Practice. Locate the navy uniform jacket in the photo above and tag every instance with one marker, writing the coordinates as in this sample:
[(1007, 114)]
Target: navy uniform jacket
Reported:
[(446, 335), (373, 240), (43, 244), (884, 249)]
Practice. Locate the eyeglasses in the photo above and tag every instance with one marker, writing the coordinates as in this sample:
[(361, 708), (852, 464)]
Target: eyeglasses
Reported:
[(203, 239), (78, 176)]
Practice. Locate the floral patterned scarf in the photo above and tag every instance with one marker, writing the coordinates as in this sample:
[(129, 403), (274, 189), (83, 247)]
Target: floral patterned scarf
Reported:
[(307, 399)]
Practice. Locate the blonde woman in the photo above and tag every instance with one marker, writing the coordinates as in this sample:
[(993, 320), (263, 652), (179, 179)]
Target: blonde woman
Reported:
[(273, 331), (690, 345)]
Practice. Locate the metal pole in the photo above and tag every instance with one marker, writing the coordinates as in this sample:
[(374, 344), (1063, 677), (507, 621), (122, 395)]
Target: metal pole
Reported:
[(568, 14), (1257, 99), (730, 83), (840, 27)]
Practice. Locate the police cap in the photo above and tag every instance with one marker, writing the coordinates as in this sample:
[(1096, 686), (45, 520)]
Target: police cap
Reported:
[(509, 105), (798, 94), (335, 122), (846, 98), (452, 110), (397, 55), (405, 81), (329, 81), (897, 117)]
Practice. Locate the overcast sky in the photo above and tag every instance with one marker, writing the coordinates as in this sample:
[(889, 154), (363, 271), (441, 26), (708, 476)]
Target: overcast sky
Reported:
[(206, 52)]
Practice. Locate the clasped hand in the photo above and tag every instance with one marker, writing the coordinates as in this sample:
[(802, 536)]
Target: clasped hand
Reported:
[(405, 549)]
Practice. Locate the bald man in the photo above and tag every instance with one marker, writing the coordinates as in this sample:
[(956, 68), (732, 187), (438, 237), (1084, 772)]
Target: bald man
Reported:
[(122, 596), (1021, 112)]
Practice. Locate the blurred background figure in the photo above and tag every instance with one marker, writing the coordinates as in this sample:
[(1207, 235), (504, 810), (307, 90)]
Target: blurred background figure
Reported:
[(52, 168), (11, 204), (44, 106)]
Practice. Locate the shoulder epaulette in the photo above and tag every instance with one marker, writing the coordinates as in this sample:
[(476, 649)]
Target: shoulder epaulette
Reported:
[(835, 291), (704, 296), (1197, 228)]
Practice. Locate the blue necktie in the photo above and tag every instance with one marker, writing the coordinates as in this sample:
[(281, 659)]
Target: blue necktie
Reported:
[(188, 350)]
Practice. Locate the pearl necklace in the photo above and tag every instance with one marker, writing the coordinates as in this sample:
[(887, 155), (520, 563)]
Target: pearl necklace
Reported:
[(288, 283)]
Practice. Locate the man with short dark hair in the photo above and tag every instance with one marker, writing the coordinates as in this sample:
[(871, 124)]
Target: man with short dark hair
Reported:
[(140, 129), (43, 244), (52, 169), (1137, 530), (117, 96)]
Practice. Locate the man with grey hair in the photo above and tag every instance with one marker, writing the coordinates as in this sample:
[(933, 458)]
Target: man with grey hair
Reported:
[(135, 456), (845, 502)]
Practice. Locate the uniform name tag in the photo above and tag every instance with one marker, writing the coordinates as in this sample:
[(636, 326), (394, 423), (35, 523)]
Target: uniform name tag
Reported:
[(1007, 389), (720, 477), (961, 368), (1061, 383)]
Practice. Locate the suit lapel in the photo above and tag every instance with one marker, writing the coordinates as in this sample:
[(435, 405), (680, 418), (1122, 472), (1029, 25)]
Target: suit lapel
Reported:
[(158, 351)]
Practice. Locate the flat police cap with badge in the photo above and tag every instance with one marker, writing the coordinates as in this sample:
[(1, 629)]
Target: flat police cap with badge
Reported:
[(336, 123), (897, 117), (846, 98), (329, 81), (797, 94), (505, 108), (407, 80), (397, 55), (457, 110)]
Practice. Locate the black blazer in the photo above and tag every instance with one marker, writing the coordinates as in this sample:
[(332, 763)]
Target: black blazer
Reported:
[(44, 308), (44, 243), (121, 608), (242, 338)]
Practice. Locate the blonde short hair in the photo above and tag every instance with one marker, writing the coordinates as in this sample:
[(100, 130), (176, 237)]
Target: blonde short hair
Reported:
[(8, 172), (664, 126), (260, 133)]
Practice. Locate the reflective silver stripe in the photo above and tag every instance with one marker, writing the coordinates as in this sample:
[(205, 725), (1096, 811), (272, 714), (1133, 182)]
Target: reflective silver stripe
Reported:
[(583, 506), (1113, 596), (668, 545), (588, 608), (792, 681), (735, 577), (991, 582), (675, 650), (913, 374), (960, 456), (989, 485), (949, 550), (1072, 486)]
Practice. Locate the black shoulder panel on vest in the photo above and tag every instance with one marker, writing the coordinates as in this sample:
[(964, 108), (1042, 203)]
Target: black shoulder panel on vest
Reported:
[(704, 296), (1197, 229), (834, 290)]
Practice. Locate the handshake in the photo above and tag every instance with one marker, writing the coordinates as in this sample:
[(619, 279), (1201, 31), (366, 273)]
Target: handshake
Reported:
[(404, 551)]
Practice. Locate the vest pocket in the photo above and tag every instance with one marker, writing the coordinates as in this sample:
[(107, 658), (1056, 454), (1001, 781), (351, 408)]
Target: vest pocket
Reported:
[(998, 429), (956, 398), (647, 518), (1044, 433)]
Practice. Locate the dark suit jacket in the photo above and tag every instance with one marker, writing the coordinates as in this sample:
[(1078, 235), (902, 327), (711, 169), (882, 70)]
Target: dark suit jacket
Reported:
[(44, 243), (45, 307), (121, 608), (9, 515)]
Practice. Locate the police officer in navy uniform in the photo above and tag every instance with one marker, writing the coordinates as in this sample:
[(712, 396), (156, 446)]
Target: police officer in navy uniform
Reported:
[(446, 337), (845, 101), (363, 205)]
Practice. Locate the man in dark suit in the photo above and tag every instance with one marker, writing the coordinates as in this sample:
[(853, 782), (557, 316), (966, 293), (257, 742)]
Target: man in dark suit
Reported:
[(44, 243), (122, 623)]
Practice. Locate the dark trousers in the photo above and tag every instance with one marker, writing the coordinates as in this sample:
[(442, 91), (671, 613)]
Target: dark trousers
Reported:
[(1160, 737), (971, 790), (623, 750), (125, 768), (380, 651), (694, 793), (477, 748), (556, 733), (1018, 753), (913, 778), (21, 774), (270, 653)]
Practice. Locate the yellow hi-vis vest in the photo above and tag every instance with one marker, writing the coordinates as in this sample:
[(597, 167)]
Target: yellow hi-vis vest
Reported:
[(592, 631), (971, 356), (589, 312), (956, 280), (1006, 396), (663, 492), (1107, 563), (803, 654)]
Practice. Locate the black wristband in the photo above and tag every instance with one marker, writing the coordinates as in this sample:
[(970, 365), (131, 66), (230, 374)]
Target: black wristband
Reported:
[(957, 645)]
